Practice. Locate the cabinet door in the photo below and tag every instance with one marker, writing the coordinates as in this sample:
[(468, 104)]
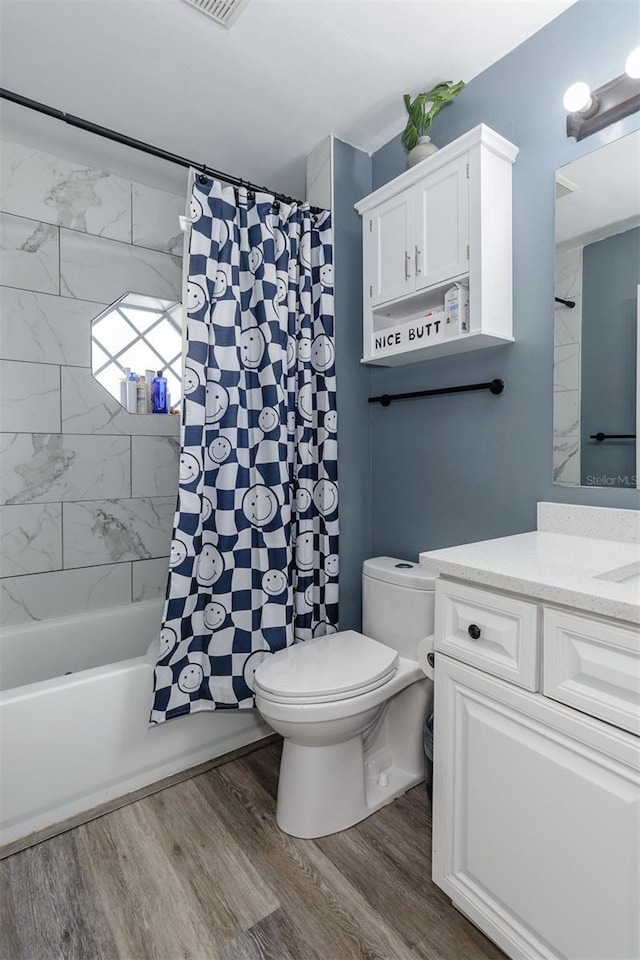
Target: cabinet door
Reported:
[(388, 260), (441, 245), (536, 820)]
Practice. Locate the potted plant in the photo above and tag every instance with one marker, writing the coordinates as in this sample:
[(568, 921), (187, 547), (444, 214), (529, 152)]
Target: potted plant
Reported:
[(415, 137)]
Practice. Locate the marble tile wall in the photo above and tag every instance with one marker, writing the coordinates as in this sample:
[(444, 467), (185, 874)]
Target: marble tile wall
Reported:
[(87, 491), (566, 369)]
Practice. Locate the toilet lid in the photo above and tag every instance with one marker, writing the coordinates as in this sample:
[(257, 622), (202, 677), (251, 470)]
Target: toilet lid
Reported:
[(332, 667)]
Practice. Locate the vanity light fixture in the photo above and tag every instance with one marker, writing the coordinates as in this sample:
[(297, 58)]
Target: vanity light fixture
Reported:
[(632, 64), (589, 112)]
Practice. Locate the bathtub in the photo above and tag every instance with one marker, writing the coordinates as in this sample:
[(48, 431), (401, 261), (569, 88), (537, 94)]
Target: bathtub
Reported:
[(75, 695)]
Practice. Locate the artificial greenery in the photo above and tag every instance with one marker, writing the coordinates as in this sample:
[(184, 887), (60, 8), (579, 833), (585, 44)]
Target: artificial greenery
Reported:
[(420, 119)]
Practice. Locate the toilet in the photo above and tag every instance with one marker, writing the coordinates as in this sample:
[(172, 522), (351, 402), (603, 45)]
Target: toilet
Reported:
[(350, 706)]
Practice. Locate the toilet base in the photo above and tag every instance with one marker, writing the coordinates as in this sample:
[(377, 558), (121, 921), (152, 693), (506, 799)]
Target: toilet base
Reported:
[(323, 790)]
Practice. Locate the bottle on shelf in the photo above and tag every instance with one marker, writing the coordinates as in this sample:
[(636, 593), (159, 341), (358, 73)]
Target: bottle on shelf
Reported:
[(141, 395), (148, 376), (132, 393), (160, 393)]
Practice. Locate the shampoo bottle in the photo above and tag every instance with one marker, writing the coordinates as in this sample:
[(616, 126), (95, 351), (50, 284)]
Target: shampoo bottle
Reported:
[(148, 376), (132, 393), (141, 395), (160, 393)]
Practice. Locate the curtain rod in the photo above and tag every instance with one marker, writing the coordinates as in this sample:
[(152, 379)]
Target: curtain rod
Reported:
[(140, 145)]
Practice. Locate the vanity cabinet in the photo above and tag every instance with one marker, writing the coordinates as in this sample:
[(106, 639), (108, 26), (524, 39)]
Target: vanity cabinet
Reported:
[(536, 809), (446, 220)]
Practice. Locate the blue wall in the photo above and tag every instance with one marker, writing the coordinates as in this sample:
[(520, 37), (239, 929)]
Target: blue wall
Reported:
[(352, 180), (610, 278), (463, 468)]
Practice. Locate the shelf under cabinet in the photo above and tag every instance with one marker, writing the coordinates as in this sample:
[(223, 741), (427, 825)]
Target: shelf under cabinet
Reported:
[(443, 348)]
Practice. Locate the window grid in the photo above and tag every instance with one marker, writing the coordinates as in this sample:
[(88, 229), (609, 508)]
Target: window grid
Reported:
[(173, 364)]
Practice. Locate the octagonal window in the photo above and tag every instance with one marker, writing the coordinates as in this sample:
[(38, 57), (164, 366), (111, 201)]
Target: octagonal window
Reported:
[(134, 340)]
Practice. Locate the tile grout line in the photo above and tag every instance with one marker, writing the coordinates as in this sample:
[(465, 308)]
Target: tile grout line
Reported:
[(96, 236)]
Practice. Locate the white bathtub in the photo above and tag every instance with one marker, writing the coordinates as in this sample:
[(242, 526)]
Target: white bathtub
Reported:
[(69, 743)]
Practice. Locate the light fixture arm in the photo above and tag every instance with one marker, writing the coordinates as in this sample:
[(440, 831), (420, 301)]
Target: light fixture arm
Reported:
[(611, 102)]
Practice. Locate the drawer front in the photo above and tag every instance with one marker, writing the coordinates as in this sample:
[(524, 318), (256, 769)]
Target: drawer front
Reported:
[(491, 631), (593, 666)]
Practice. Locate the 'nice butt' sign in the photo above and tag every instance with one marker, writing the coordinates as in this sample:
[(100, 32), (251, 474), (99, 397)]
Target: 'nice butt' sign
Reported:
[(409, 335)]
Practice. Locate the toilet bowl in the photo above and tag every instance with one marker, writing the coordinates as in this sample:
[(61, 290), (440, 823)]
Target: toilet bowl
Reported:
[(350, 707)]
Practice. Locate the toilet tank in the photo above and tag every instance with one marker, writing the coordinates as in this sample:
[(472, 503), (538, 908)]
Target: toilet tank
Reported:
[(397, 603)]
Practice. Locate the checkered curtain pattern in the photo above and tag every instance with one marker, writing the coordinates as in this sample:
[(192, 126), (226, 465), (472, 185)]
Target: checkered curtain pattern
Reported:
[(254, 554)]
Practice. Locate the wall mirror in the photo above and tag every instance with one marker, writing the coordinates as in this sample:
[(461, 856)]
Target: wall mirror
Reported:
[(138, 335), (596, 407)]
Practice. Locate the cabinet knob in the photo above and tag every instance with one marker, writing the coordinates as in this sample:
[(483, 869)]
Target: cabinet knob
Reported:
[(474, 631)]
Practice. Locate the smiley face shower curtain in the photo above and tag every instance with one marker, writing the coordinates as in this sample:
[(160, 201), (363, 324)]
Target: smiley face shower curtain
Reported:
[(254, 554)]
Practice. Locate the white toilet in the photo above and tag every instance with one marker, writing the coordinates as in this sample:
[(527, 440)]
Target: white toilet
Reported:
[(351, 707)]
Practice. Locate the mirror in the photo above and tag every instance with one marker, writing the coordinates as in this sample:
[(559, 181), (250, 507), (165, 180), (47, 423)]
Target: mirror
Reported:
[(596, 399), (131, 341)]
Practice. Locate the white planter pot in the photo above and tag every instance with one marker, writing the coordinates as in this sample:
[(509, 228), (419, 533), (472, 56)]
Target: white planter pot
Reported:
[(424, 148)]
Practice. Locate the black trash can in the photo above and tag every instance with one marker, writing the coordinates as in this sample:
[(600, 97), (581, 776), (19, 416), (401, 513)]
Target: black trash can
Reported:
[(427, 737)]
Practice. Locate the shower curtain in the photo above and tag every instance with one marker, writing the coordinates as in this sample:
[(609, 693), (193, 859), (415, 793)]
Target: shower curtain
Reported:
[(254, 554)]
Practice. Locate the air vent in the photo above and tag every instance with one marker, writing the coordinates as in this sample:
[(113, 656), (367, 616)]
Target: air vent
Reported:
[(224, 12)]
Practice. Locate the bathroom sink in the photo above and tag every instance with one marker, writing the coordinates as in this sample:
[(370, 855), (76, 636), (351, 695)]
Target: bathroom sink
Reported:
[(627, 574)]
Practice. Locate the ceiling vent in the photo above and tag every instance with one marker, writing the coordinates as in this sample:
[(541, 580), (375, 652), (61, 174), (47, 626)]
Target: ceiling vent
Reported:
[(224, 12)]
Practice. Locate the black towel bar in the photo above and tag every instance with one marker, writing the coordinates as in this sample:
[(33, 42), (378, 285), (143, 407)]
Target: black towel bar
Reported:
[(494, 386), (611, 436)]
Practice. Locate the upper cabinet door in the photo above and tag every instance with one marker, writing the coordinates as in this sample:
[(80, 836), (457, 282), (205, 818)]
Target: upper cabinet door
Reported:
[(441, 201), (388, 230)]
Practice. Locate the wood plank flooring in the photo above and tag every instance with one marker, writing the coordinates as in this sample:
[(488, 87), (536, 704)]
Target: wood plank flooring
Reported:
[(200, 871)]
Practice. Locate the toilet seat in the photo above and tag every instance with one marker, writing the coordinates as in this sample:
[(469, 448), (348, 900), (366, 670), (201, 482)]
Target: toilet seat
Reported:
[(334, 667)]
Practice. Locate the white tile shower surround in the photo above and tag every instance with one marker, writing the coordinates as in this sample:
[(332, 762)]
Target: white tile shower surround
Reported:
[(566, 460), (566, 413), (566, 372), (164, 454), (155, 220), (46, 467), (44, 187), (30, 538), (88, 408), (30, 254), (29, 397), (88, 492), (149, 579), (62, 593), (43, 328), (566, 387), (110, 531), (93, 268)]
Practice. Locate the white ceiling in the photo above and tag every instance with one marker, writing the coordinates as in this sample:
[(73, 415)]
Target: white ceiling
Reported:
[(607, 195), (253, 100)]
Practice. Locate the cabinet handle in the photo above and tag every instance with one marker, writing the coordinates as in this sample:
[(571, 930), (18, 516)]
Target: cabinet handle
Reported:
[(474, 631), (416, 255), (407, 260)]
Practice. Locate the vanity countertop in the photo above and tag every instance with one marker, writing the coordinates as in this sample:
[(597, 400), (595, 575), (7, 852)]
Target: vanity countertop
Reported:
[(555, 567)]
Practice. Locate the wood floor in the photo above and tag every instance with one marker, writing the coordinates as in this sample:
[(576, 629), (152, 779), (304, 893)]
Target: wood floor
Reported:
[(200, 871)]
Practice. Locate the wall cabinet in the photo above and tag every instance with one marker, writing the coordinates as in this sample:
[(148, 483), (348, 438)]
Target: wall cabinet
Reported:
[(447, 219), (536, 810)]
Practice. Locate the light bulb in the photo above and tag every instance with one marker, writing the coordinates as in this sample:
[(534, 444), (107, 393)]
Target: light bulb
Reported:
[(577, 98), (632, 64)]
